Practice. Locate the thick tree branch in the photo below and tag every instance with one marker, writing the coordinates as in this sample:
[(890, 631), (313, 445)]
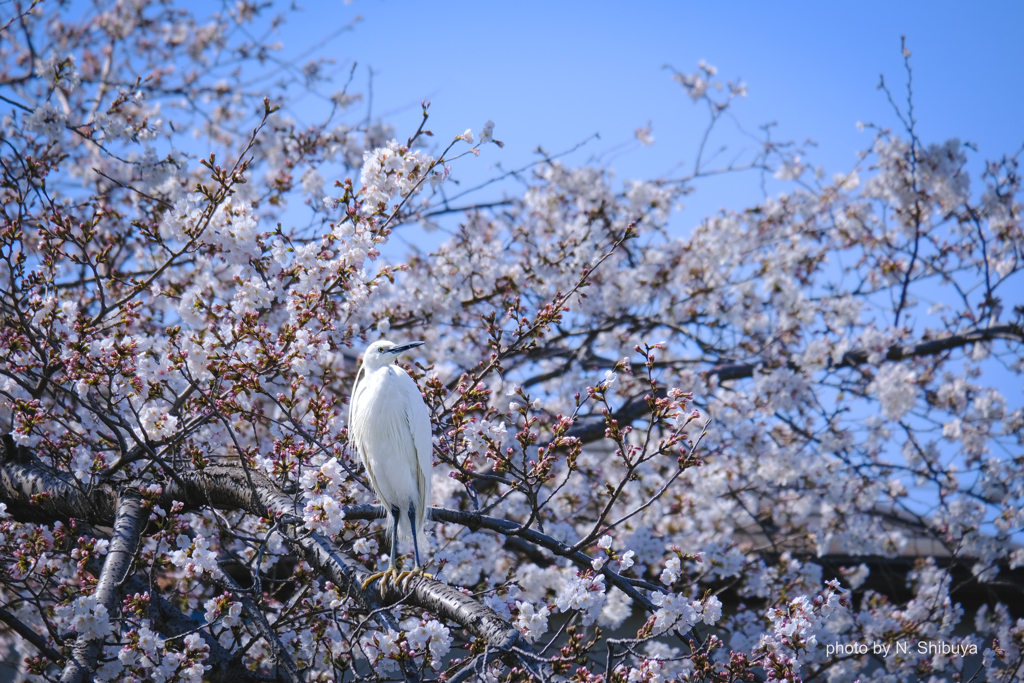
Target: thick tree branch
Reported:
[(474, 521), (445, 601), (123, 544), (220, 485), (34, 493)]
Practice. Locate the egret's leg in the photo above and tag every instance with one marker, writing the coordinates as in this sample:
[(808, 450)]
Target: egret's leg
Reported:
[(417, 570), (395, 512), (415, 543), (392, 570)]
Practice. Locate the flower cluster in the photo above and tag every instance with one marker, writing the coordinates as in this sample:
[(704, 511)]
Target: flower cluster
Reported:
[(194, 555), (584, 593), (390, 172)]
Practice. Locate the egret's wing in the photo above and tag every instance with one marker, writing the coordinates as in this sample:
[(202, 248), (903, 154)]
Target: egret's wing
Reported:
[(359, 418), (419, 423), (352, 417)]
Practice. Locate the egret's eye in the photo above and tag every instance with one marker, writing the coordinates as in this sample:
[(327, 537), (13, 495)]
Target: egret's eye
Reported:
[(380, 349)]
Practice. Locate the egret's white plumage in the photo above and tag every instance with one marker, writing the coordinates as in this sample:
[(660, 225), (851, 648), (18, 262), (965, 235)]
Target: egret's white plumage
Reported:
[(389, 425)]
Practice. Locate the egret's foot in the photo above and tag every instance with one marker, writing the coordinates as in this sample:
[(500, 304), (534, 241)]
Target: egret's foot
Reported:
[(390, 572), (405, 577)]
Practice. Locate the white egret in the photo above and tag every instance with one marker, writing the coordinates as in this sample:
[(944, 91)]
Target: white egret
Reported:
[(389, 425)]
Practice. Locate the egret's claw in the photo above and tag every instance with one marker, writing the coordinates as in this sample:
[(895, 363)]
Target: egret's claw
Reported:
[(390, 572), (405, 577)]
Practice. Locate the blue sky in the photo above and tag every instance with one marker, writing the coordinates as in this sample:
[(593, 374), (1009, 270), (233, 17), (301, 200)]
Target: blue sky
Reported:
[(552, 74)]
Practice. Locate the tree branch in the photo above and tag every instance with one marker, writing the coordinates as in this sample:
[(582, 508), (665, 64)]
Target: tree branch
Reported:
[(22, 629), (588, 430), (896, 352), (474, 521), (127, 528)]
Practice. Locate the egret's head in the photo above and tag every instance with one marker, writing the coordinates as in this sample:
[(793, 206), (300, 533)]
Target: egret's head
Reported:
[(381, 353)]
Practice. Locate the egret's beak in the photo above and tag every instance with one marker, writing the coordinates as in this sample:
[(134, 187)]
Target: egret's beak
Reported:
[(405, 347)]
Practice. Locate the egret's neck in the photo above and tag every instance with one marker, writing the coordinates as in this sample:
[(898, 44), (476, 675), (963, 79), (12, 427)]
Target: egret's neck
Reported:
[(374, 367)]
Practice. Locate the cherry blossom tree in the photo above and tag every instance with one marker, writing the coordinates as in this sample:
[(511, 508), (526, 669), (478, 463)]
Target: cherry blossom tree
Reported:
[(658, 457)]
